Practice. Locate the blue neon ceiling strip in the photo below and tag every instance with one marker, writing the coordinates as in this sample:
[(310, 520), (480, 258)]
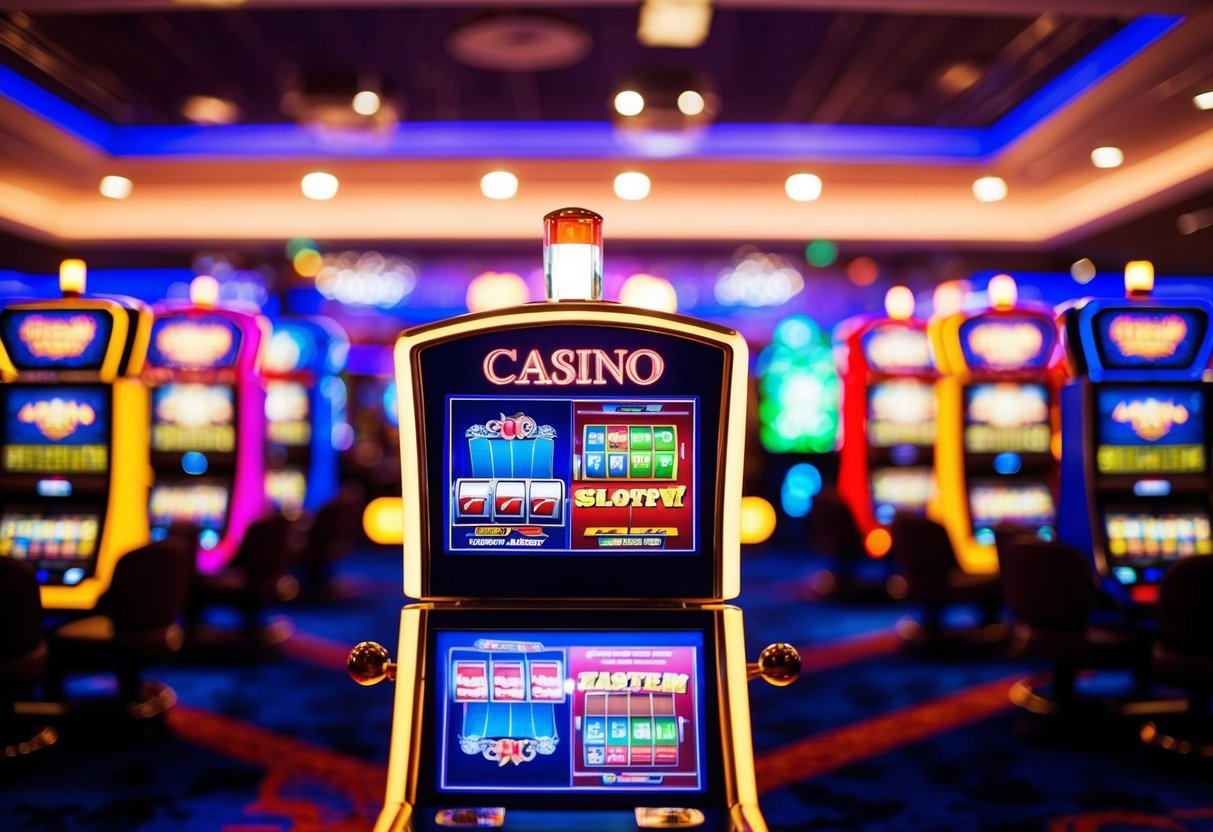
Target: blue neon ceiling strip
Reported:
[(597, 140)]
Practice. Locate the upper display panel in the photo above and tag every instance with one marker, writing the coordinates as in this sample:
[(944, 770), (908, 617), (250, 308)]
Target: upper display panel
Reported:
[(1143, 338), (201, 342), (56, 339)]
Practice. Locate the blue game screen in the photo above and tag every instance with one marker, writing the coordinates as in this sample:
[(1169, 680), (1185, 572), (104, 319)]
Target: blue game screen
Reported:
[(1150, 429), (60, 428), (193, 343), (49, 339), (559, 710), (1132, 338)]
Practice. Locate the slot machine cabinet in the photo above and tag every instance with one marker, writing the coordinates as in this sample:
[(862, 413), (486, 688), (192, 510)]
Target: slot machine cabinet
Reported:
[(1135, 437), (74, 472), (304, 403), (886, 459), (571, 481), (997, 418), (207, 421)]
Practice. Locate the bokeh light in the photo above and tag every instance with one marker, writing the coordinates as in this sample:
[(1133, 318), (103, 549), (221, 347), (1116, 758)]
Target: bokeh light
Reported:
[(863, 271), (801, 484), (629, 103), (307, 262), (1083, 271), (649, 292), (496, 290), (798, 389), (383, 521), (948, 298), (990, 189), (803, 187), (821, 253), (758, 520)]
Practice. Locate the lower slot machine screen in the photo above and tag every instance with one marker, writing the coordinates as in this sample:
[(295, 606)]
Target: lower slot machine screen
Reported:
[(901, 489), (901, 412), (570, 712), (287, 413), (61, 429), (1150, 430), (203, 505), (1025, 504), (1007, 417), (60, 545), (286, 488), (1141, 538), (187, 416)]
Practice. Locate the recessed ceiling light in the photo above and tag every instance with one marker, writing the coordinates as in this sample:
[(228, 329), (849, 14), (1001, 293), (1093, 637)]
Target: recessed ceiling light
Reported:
[(803, 187), (1083, 271), (210, 109), (115, 187), (1107, 157), (632, 185), (499, 184), (1203, 101), (629, 103), (366, 103), (691, 103), (990, 189), (319, 185)]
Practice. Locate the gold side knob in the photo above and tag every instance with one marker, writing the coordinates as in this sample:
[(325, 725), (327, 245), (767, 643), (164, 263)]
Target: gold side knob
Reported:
[(778, 664), (369, 664)]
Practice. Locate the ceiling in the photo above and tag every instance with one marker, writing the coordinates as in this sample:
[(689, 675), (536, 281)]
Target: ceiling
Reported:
[(898, 106)]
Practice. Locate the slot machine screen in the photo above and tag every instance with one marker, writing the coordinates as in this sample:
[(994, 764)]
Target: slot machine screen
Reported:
[(901, 489), (1007, 417), (1025, 504), (193, 417), (286, 488), (50, 339), (55, 429), (571, 712), (1141, 543), (200, 504), (901, 412), (61, 546), (288, 413), (1150, 430)]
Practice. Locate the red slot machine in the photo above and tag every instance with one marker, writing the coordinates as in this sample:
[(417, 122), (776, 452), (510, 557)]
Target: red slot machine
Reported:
[(572, 485), (886, 459)]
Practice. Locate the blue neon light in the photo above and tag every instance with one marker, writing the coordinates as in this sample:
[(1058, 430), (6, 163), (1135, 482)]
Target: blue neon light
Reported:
[(194, 463), (1007, 463), (596, 140)]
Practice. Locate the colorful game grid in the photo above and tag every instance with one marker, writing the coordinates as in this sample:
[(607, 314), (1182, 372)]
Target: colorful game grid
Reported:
[(630, 452)]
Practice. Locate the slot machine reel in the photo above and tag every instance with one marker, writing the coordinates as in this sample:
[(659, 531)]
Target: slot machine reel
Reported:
[(778, 664), (369, 663)]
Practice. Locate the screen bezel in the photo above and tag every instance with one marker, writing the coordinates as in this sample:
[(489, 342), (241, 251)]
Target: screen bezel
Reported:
[(714, 792)]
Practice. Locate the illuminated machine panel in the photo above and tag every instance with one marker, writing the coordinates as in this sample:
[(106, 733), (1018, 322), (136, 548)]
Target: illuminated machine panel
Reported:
[(288, 413), (202, 504), (571, 712), (1143, 543), (50, 339), (1007, 342), (1143, 339), (1159, 429), (60, 429), (901, 489), (286, 488), (200, 342), (565, 475), (194, 417), (901, 412), (896, 348), (61, 546), (1026, 504), (1007, 417)]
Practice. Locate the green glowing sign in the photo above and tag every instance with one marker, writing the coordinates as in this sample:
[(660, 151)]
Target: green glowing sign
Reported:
[(799, 392)]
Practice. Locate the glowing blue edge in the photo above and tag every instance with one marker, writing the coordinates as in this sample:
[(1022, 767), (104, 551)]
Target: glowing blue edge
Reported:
[(597, 140)]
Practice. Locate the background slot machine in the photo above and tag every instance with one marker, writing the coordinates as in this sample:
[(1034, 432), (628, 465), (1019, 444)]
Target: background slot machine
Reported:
[(886, 460), (572, 475), (74, 472), (305, 401), (1135, 436), (207, 421), (995, 458)]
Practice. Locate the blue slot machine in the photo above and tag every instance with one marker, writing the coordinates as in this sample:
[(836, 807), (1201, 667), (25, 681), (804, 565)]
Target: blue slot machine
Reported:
[(1135, 435), (305, 399), (571, 481)]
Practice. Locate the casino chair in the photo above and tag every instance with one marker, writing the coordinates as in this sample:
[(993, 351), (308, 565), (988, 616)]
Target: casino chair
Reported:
[(930, 576), (23, 659), (134, 625), (1054, 599), (329, 538), (833, 532), (257, 578), (1183, 656)]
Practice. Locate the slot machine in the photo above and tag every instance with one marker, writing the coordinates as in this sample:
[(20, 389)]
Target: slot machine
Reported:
[(207, 421), (74, 471), (571, 483), (995, 457), (1135, 435), (885, 463), (305, 401)]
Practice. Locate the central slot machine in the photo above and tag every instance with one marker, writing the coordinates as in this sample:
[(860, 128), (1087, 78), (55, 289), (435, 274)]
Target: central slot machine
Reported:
[(207, 422), (305, 400), (1135, 436), (886, 462), (74, 472), (571, 482), (995, 458)]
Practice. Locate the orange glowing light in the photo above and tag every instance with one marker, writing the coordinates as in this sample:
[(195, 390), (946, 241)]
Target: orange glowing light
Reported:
[(1006, 345), (72, 276), (1003, 291), (193, 344), (56, 419), (1139, 277), (1150, 419), (878, 543), (55, 337), (383, 520), (899, 303), (1145, 337)]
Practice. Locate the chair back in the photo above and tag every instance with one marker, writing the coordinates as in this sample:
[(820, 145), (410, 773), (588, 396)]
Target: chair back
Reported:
[(1048, 585), (150, 587), (20, 609), (335, 526), (269, 548), (921, 549), (1185, 606), (832, 528), (1004, 533)]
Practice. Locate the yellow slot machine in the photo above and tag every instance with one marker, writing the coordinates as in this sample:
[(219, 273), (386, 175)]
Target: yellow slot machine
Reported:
[(74, 470), (996, 456), (571, 481)]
